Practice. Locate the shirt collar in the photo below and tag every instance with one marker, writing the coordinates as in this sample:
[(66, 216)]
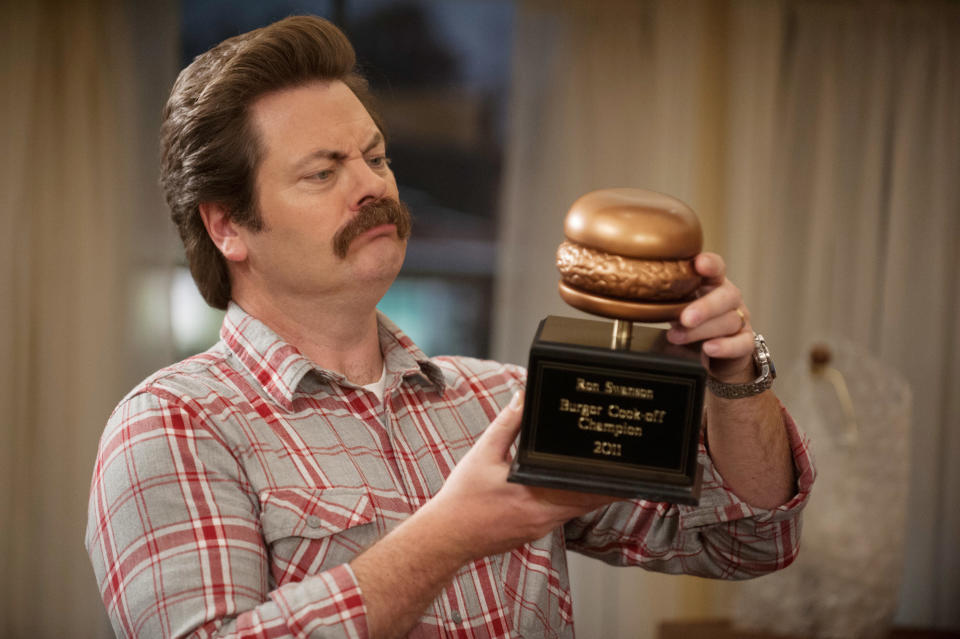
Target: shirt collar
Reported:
[(280, 368), (402, 356)]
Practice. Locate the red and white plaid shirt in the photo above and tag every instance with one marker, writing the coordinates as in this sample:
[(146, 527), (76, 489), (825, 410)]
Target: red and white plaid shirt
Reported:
[(232, 489)]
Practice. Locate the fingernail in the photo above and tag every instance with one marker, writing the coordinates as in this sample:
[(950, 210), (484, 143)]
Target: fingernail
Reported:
[(516, 401), (690, 318), (710, 348), (675, 335)]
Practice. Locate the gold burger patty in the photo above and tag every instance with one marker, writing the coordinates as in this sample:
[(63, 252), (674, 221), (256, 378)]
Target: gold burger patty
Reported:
[(623, 277)]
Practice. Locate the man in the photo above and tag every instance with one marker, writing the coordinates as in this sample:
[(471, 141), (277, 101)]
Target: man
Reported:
[(314, 474)]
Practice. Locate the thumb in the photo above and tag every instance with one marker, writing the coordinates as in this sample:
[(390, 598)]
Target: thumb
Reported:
[(503, 430), (711, 267)]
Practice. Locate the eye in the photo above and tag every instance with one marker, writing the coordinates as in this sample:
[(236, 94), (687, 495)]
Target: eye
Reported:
[(379, 161), (321, 176)]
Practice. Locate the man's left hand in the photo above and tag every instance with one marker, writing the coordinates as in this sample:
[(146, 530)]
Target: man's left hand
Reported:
[(720, 319), (747, 439)]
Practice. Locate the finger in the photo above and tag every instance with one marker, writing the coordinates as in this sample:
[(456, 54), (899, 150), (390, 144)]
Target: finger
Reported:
[(503, 430), (731, 347), (711, 267), (727, 324), (718, 301), (576, 502)]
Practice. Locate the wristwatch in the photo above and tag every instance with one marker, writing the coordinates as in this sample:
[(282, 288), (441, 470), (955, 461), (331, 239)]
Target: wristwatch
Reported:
[(766, 371)]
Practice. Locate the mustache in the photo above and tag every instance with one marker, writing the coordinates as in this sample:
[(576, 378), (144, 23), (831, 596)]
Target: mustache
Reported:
[(385, 211)]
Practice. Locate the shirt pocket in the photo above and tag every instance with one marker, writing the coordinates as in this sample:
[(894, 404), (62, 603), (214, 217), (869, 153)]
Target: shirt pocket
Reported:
[(309, 530)]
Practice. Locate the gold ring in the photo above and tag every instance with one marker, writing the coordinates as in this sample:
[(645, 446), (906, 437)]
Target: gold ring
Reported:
[(743, 319)]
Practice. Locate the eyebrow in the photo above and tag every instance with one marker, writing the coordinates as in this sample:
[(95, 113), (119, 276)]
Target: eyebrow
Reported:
[(336, 156)]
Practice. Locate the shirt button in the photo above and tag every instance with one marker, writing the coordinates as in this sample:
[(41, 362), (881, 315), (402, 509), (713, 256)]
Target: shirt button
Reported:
[(456, 616), (314, 522)]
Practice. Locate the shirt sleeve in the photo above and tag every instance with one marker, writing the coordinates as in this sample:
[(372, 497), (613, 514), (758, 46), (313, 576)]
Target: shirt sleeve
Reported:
[(723, 537), (176, 543)]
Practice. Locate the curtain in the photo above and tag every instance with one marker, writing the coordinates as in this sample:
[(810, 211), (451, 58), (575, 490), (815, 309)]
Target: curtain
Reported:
[(604, 94), (857, 228), (819, 143), (607, 94), (69, 176)]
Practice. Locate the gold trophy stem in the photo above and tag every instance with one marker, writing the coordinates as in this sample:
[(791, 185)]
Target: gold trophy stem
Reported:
[(622, 334)]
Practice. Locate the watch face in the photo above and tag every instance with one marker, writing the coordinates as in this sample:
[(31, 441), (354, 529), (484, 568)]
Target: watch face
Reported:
[(762, 356), (766, 370)]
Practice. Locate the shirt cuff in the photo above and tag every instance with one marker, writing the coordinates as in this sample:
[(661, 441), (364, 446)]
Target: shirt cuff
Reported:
[(718, 502), (331, 599)]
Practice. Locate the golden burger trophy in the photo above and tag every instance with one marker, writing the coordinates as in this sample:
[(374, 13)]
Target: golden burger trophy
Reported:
[(614, 408)]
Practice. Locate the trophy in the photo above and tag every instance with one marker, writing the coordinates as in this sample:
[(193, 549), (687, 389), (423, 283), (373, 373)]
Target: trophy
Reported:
[(613, 407)]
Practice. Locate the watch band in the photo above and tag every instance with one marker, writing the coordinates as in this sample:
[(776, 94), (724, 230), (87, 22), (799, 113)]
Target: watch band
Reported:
[(767, 372)]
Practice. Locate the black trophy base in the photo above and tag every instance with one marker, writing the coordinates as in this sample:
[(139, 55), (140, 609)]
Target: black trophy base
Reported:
[(615, 421)]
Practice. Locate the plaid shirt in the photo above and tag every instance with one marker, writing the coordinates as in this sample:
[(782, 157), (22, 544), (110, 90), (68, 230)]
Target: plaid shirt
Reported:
[(232, 490)]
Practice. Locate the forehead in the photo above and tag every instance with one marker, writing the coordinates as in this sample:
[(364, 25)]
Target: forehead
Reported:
[(302, 117)]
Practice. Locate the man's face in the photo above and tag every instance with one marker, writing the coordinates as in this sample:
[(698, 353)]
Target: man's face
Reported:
[(322, 165)]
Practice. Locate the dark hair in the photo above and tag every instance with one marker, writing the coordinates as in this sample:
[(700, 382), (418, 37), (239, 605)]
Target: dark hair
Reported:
[(209, 149)]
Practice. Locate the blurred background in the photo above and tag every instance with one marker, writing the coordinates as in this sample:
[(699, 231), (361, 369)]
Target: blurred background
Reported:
[(819, 143)]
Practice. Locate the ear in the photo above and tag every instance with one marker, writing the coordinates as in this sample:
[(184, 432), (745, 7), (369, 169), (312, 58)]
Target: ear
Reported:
[(223, 231)]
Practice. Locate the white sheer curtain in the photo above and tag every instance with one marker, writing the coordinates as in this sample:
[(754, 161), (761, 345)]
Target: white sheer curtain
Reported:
[(607, 94), (604, 94), (69, 193), (857, 226), (820, 144)]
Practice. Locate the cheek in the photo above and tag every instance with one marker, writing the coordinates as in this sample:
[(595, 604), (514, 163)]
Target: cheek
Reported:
[(300, 223), (278, 249)]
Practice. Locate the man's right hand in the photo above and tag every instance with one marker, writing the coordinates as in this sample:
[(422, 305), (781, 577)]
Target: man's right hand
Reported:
[(480, 513), (477, 513)]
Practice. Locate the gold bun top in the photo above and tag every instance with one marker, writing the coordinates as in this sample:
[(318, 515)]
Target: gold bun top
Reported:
[(635, 223)]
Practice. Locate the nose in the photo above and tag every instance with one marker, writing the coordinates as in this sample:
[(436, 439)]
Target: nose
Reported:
[(366, 184)]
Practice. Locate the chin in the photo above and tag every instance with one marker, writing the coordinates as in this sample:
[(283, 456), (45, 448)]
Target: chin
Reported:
[(384, 266)]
